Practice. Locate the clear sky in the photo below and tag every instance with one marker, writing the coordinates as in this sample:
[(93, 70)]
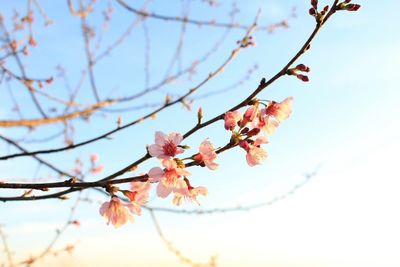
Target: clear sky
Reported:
[(345, 120)]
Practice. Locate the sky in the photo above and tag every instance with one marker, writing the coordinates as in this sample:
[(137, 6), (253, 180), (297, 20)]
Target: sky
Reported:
[(345, 123)]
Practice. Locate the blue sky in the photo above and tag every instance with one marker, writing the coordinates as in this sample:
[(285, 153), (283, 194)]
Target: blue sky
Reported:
[(345, 120)]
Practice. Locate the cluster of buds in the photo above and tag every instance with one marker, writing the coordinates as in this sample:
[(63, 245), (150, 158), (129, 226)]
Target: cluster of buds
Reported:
[(246, 41), (313, 11), (30, 84), (283, 24), (28, 18), (347, 6), (95, 167), (47, 81), (252, 129), (19, 24), (299, 68)]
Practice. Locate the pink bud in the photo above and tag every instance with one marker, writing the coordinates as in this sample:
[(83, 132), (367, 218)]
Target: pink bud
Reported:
[(243, 144), (302, 67), (353, 7), (253, 132), (304, 78)]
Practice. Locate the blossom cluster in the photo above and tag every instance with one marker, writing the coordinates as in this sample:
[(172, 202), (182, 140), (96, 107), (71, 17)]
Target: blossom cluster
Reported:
[(173, 178), (249, 131), (95, 167), (252, 129), (118, 212)]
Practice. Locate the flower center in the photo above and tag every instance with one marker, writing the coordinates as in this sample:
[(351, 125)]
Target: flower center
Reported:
[(170, 176), (199, 157), (169, 148)]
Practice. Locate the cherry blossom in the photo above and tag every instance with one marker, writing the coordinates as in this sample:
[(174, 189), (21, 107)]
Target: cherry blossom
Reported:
[(166, 146), (255, 154), (266, 124), (250, 114), (116, 212), (97, 169), (280, 111), (94, 158), (138, 196), (186, 192), (231, 119), (207, 155), (168, 178), (142, 191)]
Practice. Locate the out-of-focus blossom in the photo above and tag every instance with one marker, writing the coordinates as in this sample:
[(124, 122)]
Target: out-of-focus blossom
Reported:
[(97, 169), (76, 222), (94, 158), (78, 167)]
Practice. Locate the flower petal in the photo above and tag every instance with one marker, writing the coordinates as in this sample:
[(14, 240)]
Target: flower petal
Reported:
[(176, 138), (155, 174), (155, 150), (163, 191), (160, 138)]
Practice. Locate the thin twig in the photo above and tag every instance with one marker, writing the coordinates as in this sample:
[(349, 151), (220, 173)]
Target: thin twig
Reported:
[(177, 252), (7, 250)]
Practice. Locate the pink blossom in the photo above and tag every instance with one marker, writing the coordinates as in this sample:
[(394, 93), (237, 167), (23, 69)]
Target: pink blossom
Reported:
[(255, 155), (94, 158), (116, 212), (207, 155), (280, 111), (244, 144), (168, 178), (250, 114), (231, 119), (266, 124), (138, 196), (142, 192), (97, 169), (260, 140), (78, 167), (166, 146), (186, 192)]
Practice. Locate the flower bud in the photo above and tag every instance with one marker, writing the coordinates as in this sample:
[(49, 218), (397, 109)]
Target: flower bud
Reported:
[(253, 132), (199, 115)]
